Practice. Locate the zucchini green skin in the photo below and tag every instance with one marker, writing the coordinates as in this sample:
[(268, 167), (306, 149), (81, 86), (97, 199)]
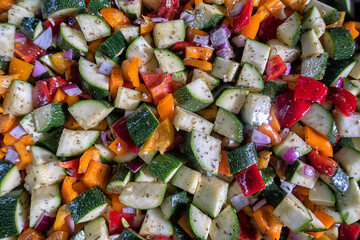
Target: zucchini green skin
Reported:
[(55, 7), (273, 193), (51, 140), (315, 66), (242, 157), (113, 46), (30, 27), (96, 5), (164, 165), (83, 204), (186, 100), (128, 234), (274, 88), (58, 117), (339, 43), (334, 70), (8, 205), (4, 64), (141, 124)]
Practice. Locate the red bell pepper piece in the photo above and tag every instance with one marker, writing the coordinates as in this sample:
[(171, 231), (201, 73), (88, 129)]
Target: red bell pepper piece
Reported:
[(289, 110), (310, 90), (54, 24), (153, 14), (121, 130), (247, 230), (344, 100), (54, 83), (71, 167), (28, 51), (268, 28), (128, 84), (169, 11), (243, 18), (162, 238), (348, 232), (181, 46), (41, 94), (275, 68), (115, 224), (321, 163), (297, 194), (159, 85), (250, 180)]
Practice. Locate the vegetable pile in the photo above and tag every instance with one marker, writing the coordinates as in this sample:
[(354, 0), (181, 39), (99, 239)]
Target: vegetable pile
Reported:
[(169, 119)]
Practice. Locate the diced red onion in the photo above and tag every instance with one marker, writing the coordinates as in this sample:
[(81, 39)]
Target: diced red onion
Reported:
[(259, 204), (44, 222), (103, 138), (71, 89), (39, 69), (225, 53), (70, 222), (159, 19), (308, 171), (51, 20), (117, 4), (287, 187), (139, 21), (260, 147), (239, 41), (284, 133), (288, 69), (135, 165), (237, 9), (239, 201), (45, 39), (19, 37), (249, 129), (12, 155), (128, 210), (106, 67), (259, 137), (337, 225), (202, 40), (293, 236), (188, 15), (68, 54), (70, 171), (17, 132), (227, 31), (218, 37), (291, 155), (338, 83), (138, 220)]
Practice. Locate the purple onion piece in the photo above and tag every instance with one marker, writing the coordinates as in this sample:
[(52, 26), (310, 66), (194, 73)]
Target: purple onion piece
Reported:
[(288, 69), (237, 9), (239, 41), (45, 39), (338, 82), (239, 202), (218, 37), (259, 204), (259, 137), (159, 19), (291, 155), (17, 132), (139, 21), (68, 54), (71, 89), (308, 171), (227, 31), (44, 222), (128, 210), (287, 187), (12, 155), (135, 165), (293, 236), (188, 16), (39, 69), (284, 133), (106, 67), (19, 37), (202, 40)]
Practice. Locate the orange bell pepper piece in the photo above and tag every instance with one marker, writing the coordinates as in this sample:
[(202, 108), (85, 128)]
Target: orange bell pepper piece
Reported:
[(147, 26), (185, 226), (146, 97), (198, 1), (70, 100), (130, 70), (30, 234), (303, 190), (116, 80), (119, 147), (6, 122), (60, 96), (114, 17), (274, 123), (251, 30), (61, 62), (204, 65), (224, 164), (325, 218), (20, 67), (26, 140), (264, 159), (267, 222), (92, 154), (192, 32), (9, 140), (25, 158), (166, 107), (269, 131), (5, 82), (274, 6), (93, 45), (351, 26), (116, 204), (202, 53), (60, 223), (102, 126), (72, 124), (96, 174), (67, 192), (162, 137), (317, 141), (58, 235), (79, 187), (5, 5), (189, 5)]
